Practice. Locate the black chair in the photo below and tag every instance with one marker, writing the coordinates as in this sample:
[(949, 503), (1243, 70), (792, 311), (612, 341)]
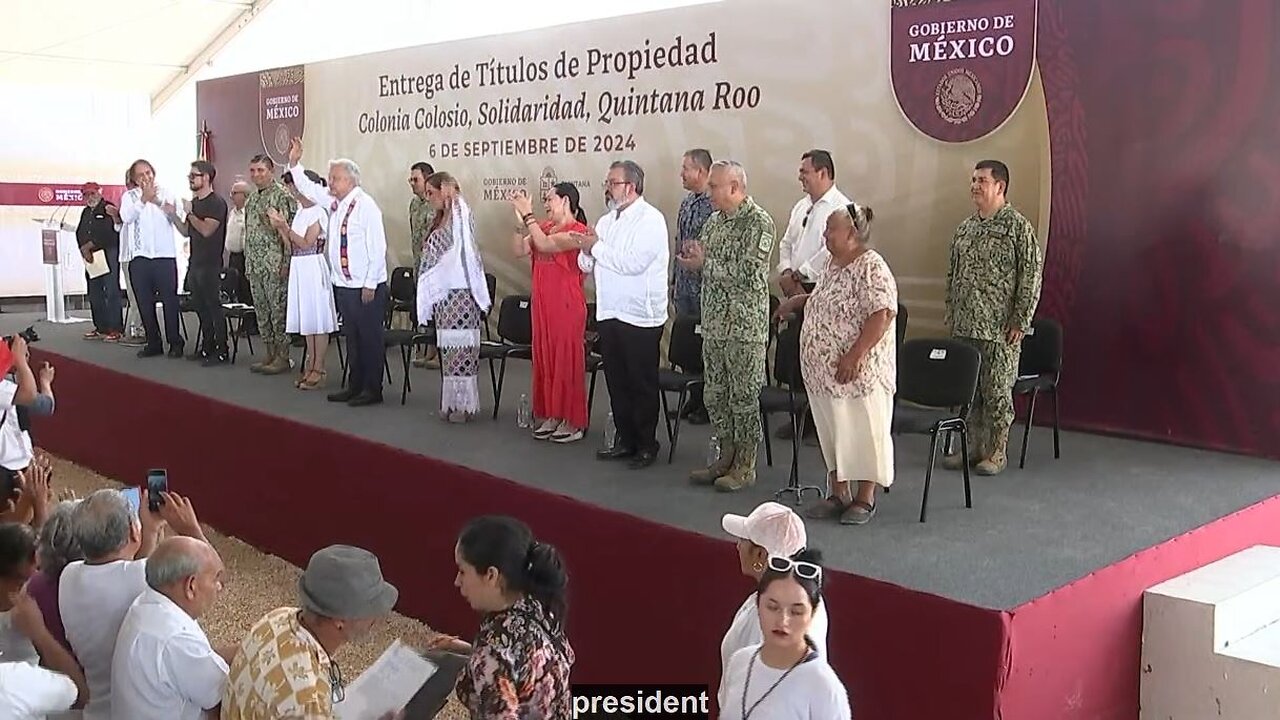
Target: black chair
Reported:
[(595, 360), (515, 340), (787, 396), (491, 281), (1038, 372), (937, 380), (402, 294), (900, 326), (236, 312), (684, 356)]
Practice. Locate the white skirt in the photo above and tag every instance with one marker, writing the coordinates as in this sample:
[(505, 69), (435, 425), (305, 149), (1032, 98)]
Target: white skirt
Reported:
[(854, 434), (311, 309)]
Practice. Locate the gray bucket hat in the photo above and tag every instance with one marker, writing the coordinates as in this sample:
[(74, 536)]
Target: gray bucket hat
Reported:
[(345, 582)]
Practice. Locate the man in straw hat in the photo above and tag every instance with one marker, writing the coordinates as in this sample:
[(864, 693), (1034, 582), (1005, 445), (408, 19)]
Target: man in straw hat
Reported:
[(284, 667)]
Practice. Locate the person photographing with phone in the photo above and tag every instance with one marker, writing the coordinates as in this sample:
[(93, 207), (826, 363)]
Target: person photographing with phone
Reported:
[(23, 392)]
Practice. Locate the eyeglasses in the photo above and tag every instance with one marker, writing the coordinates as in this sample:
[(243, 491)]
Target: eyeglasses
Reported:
[(801, 569), (337, 690), (805, 223)]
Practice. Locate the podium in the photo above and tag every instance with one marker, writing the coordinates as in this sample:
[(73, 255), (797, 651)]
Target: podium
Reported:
[(55, 291)]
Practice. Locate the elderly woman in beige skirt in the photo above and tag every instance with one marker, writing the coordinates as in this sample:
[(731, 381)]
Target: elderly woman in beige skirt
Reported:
[(848, 358)]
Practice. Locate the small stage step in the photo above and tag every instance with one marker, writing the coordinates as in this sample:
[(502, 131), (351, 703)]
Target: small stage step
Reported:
[(1211, 641)]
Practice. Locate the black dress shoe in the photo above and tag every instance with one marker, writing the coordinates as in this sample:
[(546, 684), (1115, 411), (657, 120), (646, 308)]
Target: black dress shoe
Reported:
[(618, 453), (214, 360), (342, 395), (147, 352), (643, 459), (365, 399)]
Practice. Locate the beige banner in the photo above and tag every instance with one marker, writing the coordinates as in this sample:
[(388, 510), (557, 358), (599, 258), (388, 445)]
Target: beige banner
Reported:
[(758, 82)]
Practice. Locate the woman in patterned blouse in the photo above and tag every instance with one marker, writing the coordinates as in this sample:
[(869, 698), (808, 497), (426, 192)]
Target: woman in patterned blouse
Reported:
[(520, 660), (848, 358)]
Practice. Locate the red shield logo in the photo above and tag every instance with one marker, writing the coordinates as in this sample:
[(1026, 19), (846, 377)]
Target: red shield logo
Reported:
[(281, 109), (961, 68)]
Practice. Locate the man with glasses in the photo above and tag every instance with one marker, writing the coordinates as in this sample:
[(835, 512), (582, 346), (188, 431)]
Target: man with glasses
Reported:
[(233, 256), (267, 262), (629, 254), (206, 227), (97, 233)]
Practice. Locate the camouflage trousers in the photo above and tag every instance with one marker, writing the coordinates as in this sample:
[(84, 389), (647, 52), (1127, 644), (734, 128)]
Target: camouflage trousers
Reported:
[(734, 374), (270, 300), (992, 411)]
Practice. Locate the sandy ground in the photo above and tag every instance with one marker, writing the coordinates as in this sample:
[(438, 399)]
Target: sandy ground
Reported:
[(257, 583)]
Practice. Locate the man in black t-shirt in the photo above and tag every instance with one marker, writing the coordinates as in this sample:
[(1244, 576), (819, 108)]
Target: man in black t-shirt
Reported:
[(206, 227)]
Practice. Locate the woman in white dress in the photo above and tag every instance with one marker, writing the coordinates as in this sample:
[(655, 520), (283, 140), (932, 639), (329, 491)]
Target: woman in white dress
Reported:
[(311, 312), (784, 677)]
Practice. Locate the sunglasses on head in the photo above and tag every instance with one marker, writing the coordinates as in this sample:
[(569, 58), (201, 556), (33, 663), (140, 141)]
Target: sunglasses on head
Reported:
[(801, 569)]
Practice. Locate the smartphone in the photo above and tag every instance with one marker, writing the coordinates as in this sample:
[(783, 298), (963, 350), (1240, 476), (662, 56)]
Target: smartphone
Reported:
[(134, 496), (157, 482)]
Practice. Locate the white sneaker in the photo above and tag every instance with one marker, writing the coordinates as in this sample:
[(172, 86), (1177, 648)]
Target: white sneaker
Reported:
[(566, 434), (546, 429)]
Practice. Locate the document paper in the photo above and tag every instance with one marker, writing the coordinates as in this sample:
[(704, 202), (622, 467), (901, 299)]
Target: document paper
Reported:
[(387, 686)]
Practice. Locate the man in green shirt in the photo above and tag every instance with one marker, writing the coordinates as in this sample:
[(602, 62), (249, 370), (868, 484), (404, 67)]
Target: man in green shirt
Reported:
[(733, 256), (993, 287), (420, 216), (267, 262)]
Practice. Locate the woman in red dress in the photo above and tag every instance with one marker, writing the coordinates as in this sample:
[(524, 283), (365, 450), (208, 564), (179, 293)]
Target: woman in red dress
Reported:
[(559, 312)]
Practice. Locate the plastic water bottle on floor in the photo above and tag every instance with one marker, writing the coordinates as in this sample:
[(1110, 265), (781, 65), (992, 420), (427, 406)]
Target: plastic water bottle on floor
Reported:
[(713, 449), (524, 414), (610, 433)]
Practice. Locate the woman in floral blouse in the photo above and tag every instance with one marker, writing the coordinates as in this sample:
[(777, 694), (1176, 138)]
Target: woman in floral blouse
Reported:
[(520, 660), (848, 357)]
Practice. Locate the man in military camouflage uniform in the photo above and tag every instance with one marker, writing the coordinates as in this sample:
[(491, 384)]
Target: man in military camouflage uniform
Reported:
[(267, 263), (420, 216), (993, 286), (733, 254)]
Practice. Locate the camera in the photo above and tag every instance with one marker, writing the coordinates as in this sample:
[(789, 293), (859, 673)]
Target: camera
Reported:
[(29, 335)]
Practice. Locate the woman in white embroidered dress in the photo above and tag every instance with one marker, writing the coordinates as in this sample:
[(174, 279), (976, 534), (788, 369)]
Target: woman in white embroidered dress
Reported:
[(311, 310), (452, 290)]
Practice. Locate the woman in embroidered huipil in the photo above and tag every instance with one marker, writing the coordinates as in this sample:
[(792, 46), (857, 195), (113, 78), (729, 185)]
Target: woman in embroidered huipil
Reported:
[(559, 311), (311, 311), (848, 357), (452, 290), (520, 660)]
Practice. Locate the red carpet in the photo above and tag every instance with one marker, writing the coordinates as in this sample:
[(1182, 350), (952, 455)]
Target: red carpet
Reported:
[(648, 602)]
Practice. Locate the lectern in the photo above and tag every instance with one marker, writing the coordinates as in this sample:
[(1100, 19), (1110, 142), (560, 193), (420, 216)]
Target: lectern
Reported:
[(55, 293)]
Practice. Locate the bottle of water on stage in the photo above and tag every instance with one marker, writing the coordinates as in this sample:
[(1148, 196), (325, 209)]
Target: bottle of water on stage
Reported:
[(524, 414), (713, 449), (610, 433)]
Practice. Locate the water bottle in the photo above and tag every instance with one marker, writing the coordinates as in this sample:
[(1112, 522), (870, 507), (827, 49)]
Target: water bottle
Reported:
[(524, 414), (713, 450), (610, 433)]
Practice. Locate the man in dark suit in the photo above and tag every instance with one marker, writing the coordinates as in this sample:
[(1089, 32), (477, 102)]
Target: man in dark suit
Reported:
[(97, 232)]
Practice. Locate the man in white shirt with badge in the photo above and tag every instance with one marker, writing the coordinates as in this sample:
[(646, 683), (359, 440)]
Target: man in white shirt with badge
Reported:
[(152, 213), (802, 252), (357, 248), (629, 255), (164, 667)]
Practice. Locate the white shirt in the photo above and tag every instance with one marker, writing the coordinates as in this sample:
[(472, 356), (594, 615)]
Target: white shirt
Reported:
[(745, 630), (93, 600), (811, 691), (802, 247), (235, 229), (14, 646), (30, 692), (366, 237), (164, 667), (151, 233), (15, 445), (126, 242), (630, 264)]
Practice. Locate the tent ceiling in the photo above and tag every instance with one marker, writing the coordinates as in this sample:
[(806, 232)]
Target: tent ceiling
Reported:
[(141, 46)]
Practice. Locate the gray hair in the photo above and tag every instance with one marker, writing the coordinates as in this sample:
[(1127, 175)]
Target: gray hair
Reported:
[(59, 545), (632, 172), (174, 561), (734, 170), (860, 217), (349, 165), (102, 523)]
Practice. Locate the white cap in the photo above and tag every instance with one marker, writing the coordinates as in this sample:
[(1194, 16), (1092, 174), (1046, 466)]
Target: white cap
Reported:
[(773, 526)]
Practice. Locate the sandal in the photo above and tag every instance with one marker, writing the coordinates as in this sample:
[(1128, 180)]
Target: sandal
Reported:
[(315, 380), (828, 509), (858, 513)]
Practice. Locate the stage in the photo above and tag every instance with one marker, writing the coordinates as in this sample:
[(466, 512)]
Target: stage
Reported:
[(989, 612)]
